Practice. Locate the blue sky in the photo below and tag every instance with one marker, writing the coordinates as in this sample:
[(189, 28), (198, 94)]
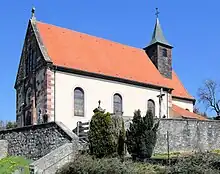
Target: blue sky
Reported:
[(192, 27)]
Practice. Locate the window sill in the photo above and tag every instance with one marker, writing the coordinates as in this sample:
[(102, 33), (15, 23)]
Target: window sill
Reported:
[(79, 116)]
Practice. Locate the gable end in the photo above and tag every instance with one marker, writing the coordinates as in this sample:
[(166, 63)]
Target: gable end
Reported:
[(32, 35)]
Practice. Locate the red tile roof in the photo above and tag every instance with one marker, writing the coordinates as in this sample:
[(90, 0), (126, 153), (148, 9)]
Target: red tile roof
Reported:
[(182, 113), (71, 49)]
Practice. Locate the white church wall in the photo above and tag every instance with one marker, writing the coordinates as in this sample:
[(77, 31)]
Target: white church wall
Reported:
[(185, 104), (133, 97)]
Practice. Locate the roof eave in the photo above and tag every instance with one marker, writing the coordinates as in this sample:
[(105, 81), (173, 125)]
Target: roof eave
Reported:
[(106, 77), (159, 43)]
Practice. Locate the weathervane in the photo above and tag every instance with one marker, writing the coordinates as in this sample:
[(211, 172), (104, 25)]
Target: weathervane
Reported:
[(157, 12)]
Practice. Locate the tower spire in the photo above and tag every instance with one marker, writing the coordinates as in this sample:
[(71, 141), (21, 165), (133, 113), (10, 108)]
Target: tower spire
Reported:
[(160, 51), (158, 36)]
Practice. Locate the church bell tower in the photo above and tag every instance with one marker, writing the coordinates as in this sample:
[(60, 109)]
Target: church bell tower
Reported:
[(160, 51)]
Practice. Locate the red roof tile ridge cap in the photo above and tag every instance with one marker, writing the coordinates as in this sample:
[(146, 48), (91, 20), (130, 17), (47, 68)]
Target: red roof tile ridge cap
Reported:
[(90, 35), (183, 86)]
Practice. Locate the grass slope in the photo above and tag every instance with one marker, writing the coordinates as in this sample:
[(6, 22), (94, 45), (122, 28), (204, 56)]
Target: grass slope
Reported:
[(9, 164)]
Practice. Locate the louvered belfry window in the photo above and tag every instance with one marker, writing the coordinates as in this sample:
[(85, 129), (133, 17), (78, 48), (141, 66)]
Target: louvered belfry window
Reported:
[(151, 106), (117, 104), (78, 102)]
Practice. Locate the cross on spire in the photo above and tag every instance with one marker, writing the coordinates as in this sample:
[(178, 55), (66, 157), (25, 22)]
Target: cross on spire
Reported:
[(157, 12), (33, 13)]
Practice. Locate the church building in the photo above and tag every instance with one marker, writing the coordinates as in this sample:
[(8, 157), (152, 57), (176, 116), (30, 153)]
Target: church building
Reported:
[(63, 74)]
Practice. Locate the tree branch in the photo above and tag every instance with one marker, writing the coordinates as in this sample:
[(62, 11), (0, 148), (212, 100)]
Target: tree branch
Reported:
[(208, 95)]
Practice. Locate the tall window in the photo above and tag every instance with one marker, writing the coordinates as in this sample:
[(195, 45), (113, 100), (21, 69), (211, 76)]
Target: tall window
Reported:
[(78, 102), (164, 52), (117, 104), (151, 106)]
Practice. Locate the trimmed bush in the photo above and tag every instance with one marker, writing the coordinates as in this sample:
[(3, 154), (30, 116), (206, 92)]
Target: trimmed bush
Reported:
[(85, 164), (141, 135), (106, 135)]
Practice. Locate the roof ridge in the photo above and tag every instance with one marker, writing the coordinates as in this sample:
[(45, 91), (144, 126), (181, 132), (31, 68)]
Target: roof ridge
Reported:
[(90, 35)]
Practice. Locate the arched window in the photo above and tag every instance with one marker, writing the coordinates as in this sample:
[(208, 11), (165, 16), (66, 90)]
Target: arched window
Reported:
[(151, 106), (117, 104), (78, 102)]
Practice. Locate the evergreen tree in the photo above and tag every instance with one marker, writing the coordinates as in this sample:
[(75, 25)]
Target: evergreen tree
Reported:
[(106, 135), (141, 135)]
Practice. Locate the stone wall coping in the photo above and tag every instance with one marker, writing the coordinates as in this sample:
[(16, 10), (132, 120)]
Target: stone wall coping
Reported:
[(37, 126), (69, 133), (176, 119), (67, 130), (180, 119)]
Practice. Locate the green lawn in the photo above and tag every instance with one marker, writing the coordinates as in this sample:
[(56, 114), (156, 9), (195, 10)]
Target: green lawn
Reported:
[(10, 164)]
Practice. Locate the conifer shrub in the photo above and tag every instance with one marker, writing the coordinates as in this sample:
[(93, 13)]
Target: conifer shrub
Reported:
[(106, 135), (119, 134), (142, 135)]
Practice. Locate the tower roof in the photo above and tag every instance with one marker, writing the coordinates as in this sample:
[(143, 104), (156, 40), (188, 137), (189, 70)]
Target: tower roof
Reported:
[(158, 36)]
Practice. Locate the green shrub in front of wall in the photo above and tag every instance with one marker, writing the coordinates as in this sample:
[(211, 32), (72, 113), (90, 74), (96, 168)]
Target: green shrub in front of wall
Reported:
[(119, 134), (106, 135), (142, 135), (86, 164)]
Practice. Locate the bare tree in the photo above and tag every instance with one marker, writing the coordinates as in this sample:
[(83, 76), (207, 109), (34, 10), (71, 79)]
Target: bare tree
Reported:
[(196, 110), (209, 95)]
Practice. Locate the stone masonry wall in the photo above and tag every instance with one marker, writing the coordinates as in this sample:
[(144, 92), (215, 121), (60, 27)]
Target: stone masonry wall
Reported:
[(3, 148), (36, 141), (187, 135)]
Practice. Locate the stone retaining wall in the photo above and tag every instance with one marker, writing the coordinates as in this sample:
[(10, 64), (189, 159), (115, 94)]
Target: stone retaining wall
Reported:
[(186, 135), (36, 141)]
